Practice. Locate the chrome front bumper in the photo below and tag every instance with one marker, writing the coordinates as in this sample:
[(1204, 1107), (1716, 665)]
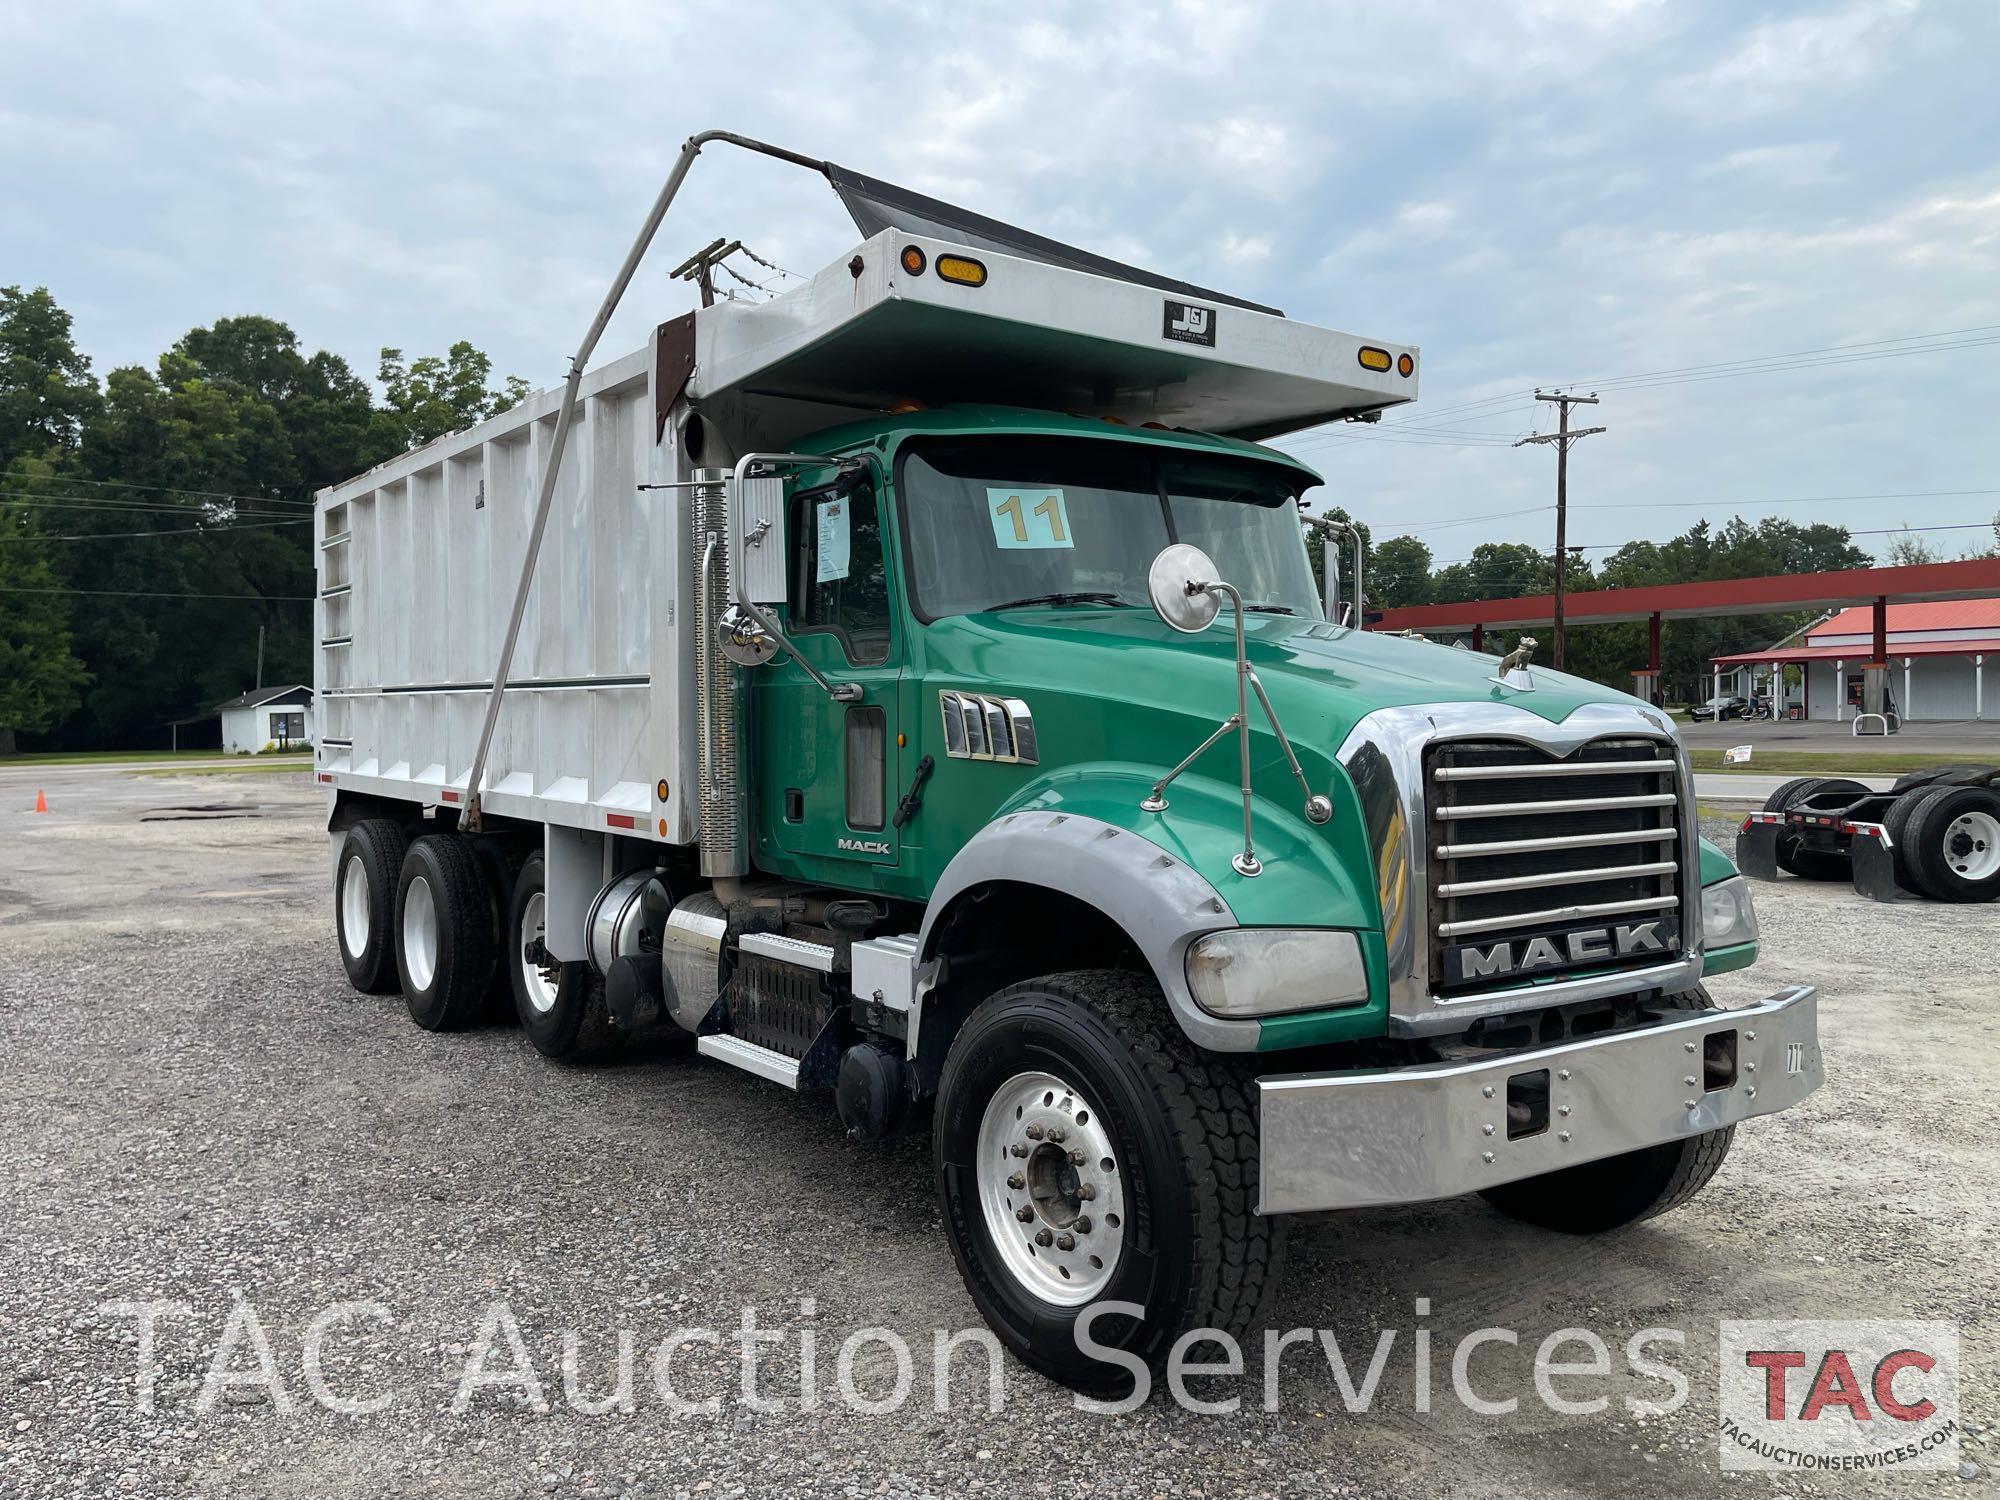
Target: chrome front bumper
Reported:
[(1405, 1135)]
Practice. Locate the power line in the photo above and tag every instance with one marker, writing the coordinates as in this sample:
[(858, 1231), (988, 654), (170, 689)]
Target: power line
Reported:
[(174, 531), (167, 489), (52, 500), (149, 594)]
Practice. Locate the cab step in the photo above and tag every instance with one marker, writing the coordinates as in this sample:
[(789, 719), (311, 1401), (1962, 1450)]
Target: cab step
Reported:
[(751, 1058)]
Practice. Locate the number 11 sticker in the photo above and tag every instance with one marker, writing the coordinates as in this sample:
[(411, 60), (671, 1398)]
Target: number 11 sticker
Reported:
[(1027, 518)]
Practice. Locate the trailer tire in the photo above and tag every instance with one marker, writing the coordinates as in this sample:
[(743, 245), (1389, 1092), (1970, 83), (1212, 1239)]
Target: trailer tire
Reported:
[(445, 948), (1617, 1190), (364, 903), (1779, 800), (552, 1013), (1952, 843), (1793, 855), (1161, 1211)]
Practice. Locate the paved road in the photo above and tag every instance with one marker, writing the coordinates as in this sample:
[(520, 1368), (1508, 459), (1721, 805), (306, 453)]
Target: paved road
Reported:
[(12, 774)]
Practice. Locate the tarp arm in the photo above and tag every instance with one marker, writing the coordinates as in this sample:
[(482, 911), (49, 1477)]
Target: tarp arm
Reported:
[(566, 416)]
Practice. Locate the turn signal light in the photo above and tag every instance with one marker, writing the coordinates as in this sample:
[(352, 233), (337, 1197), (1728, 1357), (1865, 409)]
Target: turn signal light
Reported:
[(913, 259), (1374, 359), (962, 269), (1404, 364)]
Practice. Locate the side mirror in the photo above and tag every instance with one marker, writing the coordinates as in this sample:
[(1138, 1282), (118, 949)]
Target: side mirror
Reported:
[(1181, 585)]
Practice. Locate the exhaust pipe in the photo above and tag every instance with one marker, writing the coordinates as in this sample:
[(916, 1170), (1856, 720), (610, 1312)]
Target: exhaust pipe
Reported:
[(724, 812)]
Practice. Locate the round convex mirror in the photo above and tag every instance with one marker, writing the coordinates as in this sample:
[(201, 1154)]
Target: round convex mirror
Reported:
[(1167, 582)]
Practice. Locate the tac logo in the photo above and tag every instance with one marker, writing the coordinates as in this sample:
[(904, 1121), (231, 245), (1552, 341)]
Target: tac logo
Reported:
[(1189, 323), (1839, 1397)]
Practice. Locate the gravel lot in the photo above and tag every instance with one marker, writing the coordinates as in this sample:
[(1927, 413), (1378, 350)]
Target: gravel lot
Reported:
[(196, 1107)]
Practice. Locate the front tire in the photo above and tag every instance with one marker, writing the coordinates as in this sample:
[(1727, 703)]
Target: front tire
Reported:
[(444, 933), (1618, 1190), (1160, 1209)]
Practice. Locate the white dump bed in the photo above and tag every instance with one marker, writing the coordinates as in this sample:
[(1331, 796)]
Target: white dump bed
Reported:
[(420, 557), (418, 564)]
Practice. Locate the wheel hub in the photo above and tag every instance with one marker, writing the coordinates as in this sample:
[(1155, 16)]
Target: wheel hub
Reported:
[(1051, 1188), (1972, 845)]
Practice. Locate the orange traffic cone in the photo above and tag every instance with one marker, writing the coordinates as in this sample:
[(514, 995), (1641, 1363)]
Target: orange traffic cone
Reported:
[(41, 802)]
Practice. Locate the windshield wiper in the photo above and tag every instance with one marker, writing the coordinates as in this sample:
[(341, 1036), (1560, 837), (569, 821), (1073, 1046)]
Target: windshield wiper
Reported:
[(1083, 596), (1269, 609)]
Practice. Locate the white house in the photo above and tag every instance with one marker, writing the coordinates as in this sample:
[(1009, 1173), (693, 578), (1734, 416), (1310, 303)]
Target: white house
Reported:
[(1939, 654), (270, 718)]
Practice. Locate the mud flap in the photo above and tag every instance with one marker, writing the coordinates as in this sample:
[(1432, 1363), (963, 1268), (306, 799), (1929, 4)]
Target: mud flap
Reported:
[(1875, 868), (1757, 850)]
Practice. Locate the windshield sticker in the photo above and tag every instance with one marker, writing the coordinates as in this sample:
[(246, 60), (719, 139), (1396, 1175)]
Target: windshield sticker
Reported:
[(835, 542), (1027, 519)]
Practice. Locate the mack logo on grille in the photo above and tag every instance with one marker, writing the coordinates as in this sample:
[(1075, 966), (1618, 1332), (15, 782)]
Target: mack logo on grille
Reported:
[(1465, 963)]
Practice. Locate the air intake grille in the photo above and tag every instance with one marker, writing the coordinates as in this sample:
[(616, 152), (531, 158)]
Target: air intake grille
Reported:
[(1542, 865)]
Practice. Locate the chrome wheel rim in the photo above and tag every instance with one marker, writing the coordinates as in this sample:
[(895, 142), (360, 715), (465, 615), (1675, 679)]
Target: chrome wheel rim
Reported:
[(420, 933), (1972, 845), (536, 983), (1051, 1188), (355, 916)]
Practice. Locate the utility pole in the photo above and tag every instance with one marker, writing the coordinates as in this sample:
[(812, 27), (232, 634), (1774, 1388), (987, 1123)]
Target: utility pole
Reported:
[(1563, 437), (260, 658)]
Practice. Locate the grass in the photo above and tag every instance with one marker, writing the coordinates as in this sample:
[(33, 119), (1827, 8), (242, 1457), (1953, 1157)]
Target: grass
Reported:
[(117, 757), (1831, 763)]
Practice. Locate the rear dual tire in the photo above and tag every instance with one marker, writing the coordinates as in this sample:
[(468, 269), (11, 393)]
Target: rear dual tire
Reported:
[(364, 903), (445, 938), (1792, 852)]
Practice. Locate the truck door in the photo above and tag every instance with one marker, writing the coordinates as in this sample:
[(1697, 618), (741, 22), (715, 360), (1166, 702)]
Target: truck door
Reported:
[(827, 770)]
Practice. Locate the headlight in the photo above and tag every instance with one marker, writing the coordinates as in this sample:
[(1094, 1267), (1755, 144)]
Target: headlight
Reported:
[(1727, 917), (1266, 971)]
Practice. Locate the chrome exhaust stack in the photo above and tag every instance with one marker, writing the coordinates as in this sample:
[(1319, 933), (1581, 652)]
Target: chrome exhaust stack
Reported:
[(723, 815)]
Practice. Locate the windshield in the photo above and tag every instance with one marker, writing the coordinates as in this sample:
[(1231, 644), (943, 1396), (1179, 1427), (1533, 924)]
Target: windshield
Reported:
[(1004, 522)]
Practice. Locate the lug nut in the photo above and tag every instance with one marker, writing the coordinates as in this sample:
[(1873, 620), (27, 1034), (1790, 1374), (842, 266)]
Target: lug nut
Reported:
[(1562, 1135), (1058, 1134), (1076, 1158), (1065, 1242), (1487, 1157), (1688, 1046), (1086, 1190), (1563, 1074), (1044, 1238), (1016, 1181), (1024, 1214), (1687, 1104), (1689, 1080), (1033, 1132), (1082, 1225), (1562, 1109), (1018, 1149), (1487, 1091)]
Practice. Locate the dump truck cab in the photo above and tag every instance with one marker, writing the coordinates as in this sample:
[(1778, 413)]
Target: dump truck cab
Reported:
[(932, 702)]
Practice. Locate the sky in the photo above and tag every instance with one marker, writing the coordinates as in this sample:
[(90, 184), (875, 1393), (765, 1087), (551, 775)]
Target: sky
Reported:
[(1532, 192)]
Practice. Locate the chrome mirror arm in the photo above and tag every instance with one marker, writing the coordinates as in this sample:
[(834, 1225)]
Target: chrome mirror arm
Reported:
[(748, 630), (1318, 809)]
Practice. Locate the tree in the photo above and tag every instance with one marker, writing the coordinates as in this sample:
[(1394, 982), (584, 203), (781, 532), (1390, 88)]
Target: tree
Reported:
[(1496, 570), (46, 389), (1399, 573), (41, 679), (1906, 548), (432, 396)]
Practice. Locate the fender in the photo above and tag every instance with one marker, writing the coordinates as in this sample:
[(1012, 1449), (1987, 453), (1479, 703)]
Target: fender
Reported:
[(1164, 878)]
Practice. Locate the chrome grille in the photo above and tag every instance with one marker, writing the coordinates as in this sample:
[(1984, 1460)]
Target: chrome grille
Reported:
[(1526, 845)]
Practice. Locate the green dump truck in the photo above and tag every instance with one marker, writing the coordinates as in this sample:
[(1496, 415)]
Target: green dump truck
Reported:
[(914, 687)]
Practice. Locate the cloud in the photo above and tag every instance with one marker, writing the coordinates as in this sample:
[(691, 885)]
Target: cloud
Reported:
[(1530, 190)]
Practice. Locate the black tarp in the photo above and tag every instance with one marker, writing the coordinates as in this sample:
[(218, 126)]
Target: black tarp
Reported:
[(876, 205)]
